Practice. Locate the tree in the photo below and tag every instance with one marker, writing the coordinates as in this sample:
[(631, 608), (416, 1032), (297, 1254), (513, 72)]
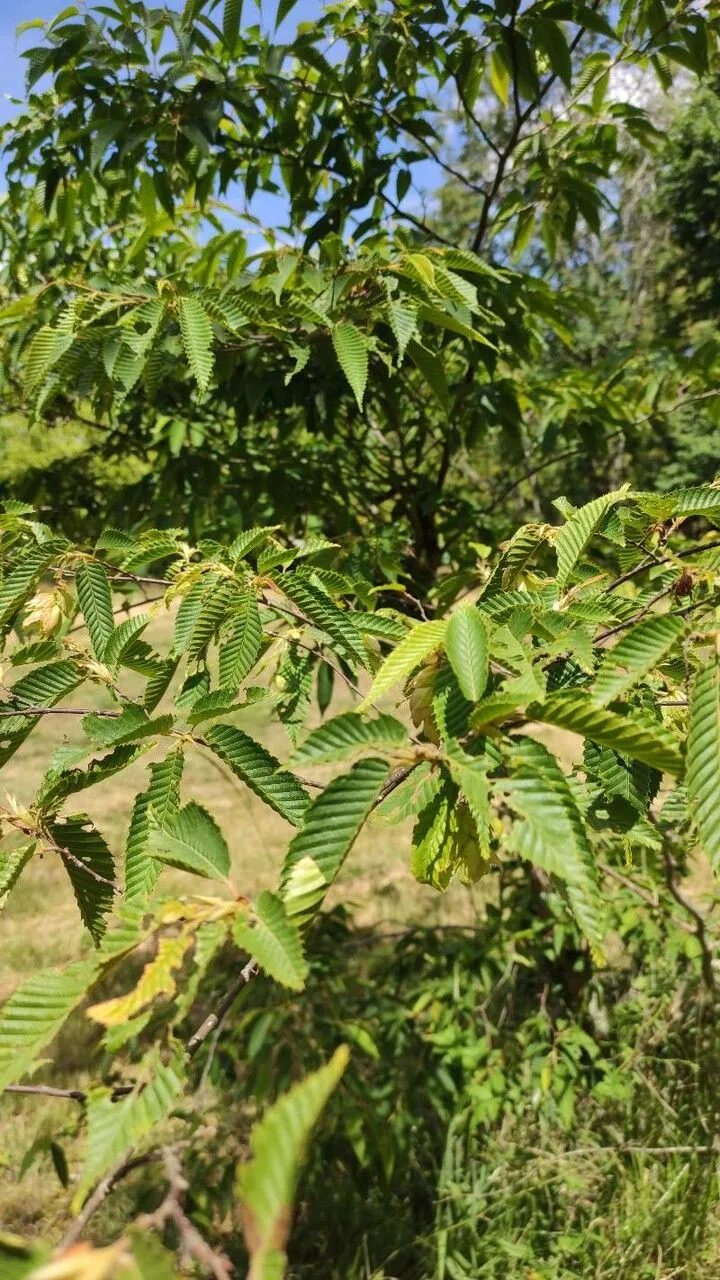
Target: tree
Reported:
[(154, 324), (102, 193)]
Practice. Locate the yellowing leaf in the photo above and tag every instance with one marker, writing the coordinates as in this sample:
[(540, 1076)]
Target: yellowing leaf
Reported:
[(156, 979)]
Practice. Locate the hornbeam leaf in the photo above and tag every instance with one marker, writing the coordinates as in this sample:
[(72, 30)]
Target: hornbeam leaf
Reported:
[(239, 650), (466, 645), (344, 736), (190, 840), (115, 1127), (157, 979), (12, 865), (703, 757), (274, 942), (163, 798), (351, 350), (704, 500), (95, 600), (232, 14), (21, 580), (119, 640), (81, 839), (259, 770), (552, 833), (638, 738), (197, 336), (577, 532), (34, 1014), (330, 826), (405, 657), (635, 655), (338, 624), (266, 1184), (403, 322)]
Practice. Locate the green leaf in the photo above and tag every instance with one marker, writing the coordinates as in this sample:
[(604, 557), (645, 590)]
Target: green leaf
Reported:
[(638, 738), (552, 833), (352, 353), (402, 317), (637, 653), (17, 586), (344, 736), (434, 859), (34, 1014), (260, 771), (329, 829), (12, 865), (408, 654), (274, 942), (338, 624), (704, 500), (240, 649), (197, 336), (578, 531), (266, 1184), (121, 638), (61, 782), (132, 724), (163, 798), (703, 756), (114, 1128), (80, 838), (249, 540), (191, 840), (95, 600), (232, 16), (466, 645), (500, 75)]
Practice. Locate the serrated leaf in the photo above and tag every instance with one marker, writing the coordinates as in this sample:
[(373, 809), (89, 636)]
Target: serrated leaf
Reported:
[(412, 650), (35, 1012), (163, 797), (121, 637), (20, 581), (95, 600), (637, 653), (410, 797), (78, 835), (115, 1127), (61, 782), (266, 1184), (703, 500), (232, 15), (191, 840), (402, 317), (552, 833), (352, 352), (330, 826), (197, 336), (630, 734), (433, 859), (158, 978), (249, 540), (344, 736), (703, 757), (12, 865), (131, 725), (337, 623), (274, 941), (466, 645), (259, 770), (239, 650), (433, 371), (578, 531)]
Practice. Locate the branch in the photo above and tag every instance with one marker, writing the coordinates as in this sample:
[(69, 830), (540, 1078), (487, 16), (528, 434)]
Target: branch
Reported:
[(46, 1091), (101, 1193), (60, 711), (172, 1210)]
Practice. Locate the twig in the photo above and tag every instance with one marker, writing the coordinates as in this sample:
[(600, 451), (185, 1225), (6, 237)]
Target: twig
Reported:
[(101, 1193), (46, 1091), (172, 1210), (60, 711), (224, 1004)]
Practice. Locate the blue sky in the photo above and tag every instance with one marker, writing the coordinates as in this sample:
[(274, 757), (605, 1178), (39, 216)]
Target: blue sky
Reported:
[(269, 209)]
